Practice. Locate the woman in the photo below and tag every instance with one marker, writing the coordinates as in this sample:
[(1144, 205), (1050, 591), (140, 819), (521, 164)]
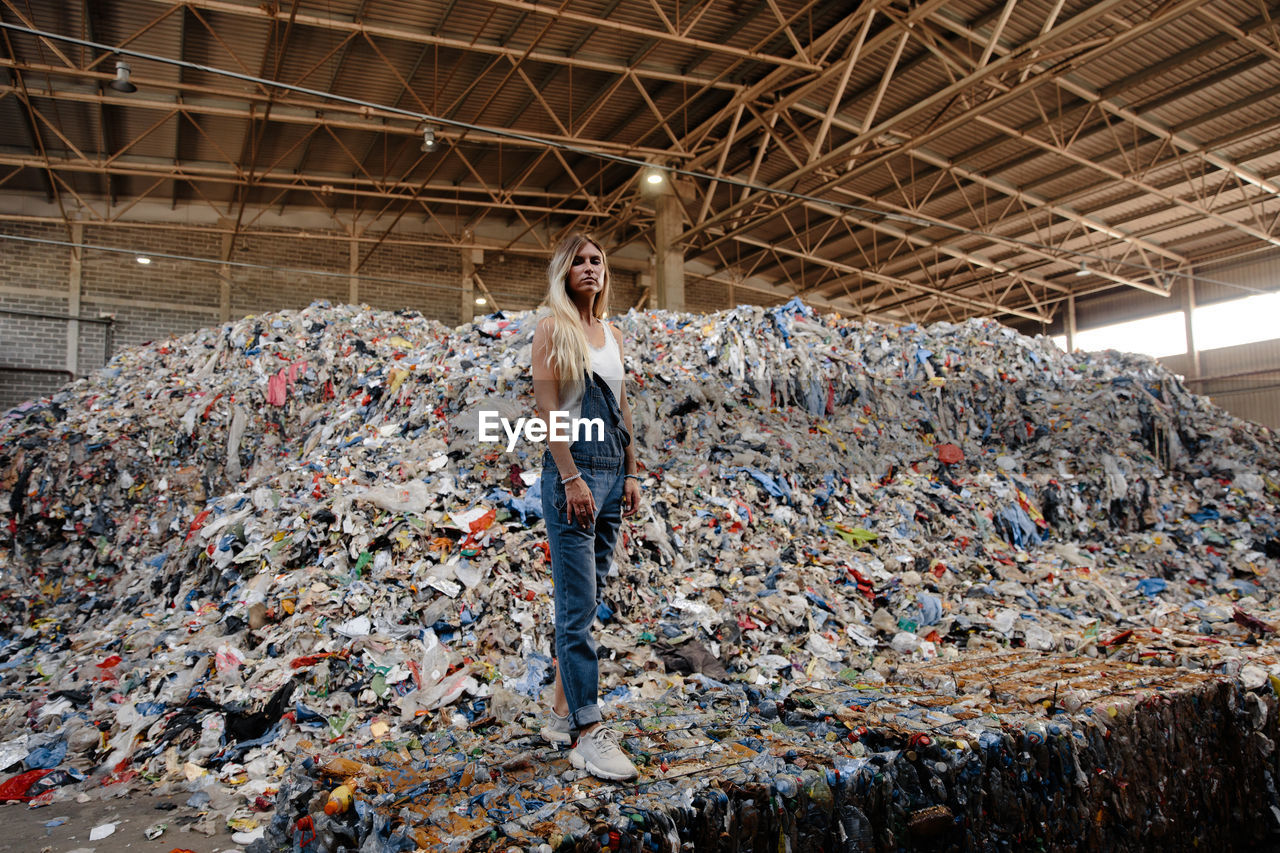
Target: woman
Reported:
[(588, 484)]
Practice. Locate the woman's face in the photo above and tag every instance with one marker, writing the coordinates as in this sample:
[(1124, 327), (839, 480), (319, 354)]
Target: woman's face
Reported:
[(586, 273)]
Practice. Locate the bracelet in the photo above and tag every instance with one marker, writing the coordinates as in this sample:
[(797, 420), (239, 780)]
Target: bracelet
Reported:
[(635, 477), (564, 481)]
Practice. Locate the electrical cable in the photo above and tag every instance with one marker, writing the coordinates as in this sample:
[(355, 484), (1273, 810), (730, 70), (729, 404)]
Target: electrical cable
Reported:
[(1076, 256)]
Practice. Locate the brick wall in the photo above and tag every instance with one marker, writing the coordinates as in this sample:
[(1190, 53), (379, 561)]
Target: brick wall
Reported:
[(33, 280), (172, 297), (518, 282), (255, 291), (705, 296), (148, 302), (438, 270)]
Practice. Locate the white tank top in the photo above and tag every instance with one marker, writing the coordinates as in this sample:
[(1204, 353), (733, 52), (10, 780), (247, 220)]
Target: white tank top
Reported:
[(606, 361)]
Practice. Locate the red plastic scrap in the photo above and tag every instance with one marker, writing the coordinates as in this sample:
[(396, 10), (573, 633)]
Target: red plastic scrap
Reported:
[(1118, 639), (485, 521), (209, 408), (307, 829), (1252, 623), (865, 586), (197, 523), (16, 788), (312, 660), (950, 454)]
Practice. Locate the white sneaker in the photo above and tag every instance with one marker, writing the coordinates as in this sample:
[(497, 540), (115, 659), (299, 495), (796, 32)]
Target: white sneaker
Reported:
[(598, 752), (556, 729)]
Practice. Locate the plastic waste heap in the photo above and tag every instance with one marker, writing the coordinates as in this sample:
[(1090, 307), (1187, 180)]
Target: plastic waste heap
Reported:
[(890, 588)]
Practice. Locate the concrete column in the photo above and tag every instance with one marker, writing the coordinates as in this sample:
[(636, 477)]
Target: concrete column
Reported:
[(645, 282), (74, 283), (224, 276), (669, 263), (353, 284), (471, 258), (1188, 308), (1071, 323)]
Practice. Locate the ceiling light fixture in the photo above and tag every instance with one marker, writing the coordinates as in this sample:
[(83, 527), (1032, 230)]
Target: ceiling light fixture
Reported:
[(121, 83), (143, 259), (1083, 271), (428, 140), (480, 300), (654, 177)]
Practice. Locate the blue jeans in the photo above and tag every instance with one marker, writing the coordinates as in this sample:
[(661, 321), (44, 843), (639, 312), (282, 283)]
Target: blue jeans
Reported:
[(580, 557)]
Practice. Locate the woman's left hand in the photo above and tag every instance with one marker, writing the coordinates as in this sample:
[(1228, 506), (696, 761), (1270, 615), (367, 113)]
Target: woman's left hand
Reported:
[(630, 497)]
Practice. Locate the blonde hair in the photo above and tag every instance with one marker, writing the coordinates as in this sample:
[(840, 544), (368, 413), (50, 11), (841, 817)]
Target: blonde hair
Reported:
[(567, 354)]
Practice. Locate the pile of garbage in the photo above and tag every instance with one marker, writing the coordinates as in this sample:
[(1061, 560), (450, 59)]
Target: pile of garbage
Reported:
[(284, 535), (1170, 755)]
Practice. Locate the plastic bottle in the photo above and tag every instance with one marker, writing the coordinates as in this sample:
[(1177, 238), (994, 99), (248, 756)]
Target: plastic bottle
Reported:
[(339, 800), (858, 834)]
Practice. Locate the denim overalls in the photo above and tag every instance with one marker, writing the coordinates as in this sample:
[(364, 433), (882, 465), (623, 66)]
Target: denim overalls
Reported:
[(580, 557)]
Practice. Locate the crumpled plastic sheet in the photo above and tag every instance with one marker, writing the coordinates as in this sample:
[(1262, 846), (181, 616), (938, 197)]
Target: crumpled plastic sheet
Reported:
[(225, 544)]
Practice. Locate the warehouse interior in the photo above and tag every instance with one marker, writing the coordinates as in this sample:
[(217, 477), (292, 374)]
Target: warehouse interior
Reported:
[(1056, 166), (258, 260)]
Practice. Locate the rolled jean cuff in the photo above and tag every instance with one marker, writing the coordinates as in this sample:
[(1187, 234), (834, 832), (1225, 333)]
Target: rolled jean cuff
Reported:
[(585, 716)]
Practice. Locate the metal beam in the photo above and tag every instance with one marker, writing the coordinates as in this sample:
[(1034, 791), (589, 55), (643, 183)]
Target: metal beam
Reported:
[(224, 229), (566, 13), (1135, 239), (1248, 39), (546, 79), (90, 13), (448, 193), (333, 82), (1102, 99), (339, 23), (669, 153), (850, 60), (251, 144), (296, 112), (837, 156), (871, 275), (1095, 226), (1131, 180), (178, 149), (1090, 95), (37, 141), (779, 80), (938, 161), (28, 121), (995, 266)]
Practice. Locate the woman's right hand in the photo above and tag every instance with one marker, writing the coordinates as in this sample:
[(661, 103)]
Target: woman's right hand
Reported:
[(580, 506)]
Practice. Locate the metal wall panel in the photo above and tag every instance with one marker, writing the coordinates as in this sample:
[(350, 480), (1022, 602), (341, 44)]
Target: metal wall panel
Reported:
[(1259, 273), (1119, 306), (1244, 380)]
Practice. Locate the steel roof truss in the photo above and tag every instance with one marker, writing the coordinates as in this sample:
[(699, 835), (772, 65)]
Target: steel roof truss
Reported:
[(338, 24), (940, 96)]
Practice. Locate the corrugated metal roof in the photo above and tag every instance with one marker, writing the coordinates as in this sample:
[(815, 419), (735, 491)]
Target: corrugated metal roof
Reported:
[(609, 75)]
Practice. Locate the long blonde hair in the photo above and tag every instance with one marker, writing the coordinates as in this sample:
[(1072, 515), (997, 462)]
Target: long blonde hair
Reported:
[(568, 356)]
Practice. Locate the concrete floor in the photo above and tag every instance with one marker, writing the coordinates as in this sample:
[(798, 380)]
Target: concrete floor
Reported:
[(25, 829)]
